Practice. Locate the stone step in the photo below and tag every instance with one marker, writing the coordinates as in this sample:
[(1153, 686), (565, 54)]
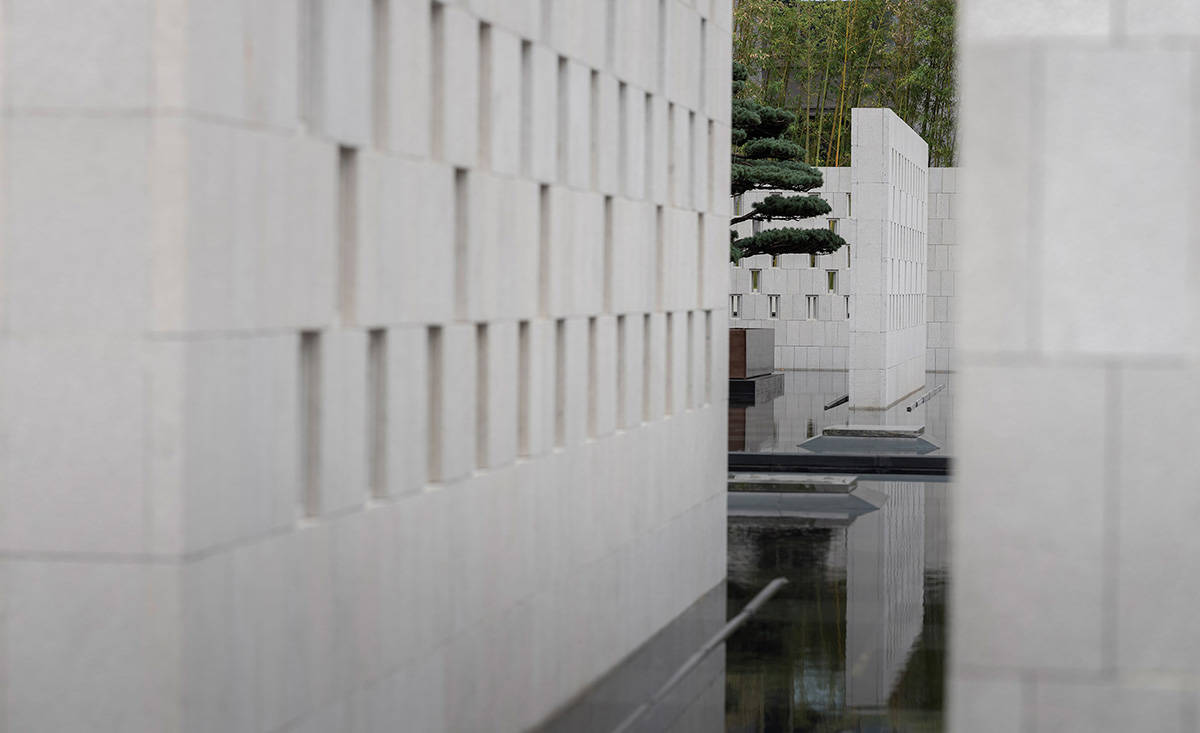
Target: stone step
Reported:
[(875, 431), (792, 483)]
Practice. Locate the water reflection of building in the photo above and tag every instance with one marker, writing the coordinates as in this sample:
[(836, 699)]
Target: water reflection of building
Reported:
[(786, 422), (885, 564), (835, 646)]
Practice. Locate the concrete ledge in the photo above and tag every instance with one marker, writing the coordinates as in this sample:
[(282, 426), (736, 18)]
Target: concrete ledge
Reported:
[(791, 483), (875, 431), (913, 465), (756, 390)]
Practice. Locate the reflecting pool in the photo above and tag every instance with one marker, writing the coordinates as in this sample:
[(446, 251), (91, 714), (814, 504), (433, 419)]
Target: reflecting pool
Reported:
[(854, 642), (784, 424)]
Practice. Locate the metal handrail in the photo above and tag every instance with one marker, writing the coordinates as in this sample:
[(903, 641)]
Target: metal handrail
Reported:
[(749, 610)]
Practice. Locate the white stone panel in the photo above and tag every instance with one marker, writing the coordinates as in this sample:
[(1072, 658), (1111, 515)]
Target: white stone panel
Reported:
[(502, 391), (456, 86), (99, 60), (997, 20), (1090, 306), (603, 377), (606, 135), (1013, 563), (407, 390), (343, 420), (457, 418), (120, 676), (540, 118), (75, 426), (344, 69), (1154, 629), (632, 145), (409, 85), (1075, 708), (574, 124), (501, 131), (84, 266)]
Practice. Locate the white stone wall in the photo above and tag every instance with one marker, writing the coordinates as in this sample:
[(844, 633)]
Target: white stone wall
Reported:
[(1074, 544), (342, 383), (890, 193), (941, 302), (823, 342), (801, 342)]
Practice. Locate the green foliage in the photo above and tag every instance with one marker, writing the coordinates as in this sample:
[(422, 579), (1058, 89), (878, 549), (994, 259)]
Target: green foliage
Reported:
[(763, 160), (821, 58)]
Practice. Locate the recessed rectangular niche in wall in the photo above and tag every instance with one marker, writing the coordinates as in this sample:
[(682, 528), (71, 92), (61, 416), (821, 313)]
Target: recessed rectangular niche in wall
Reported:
[(773, 305), (812, 307), (833, 225), (812, 260), (735, 306), (831, 277), (755, 280)]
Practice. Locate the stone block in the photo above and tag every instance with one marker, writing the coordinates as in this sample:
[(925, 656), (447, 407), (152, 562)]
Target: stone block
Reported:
[(996, 211), (456, 104), (540, 147), (125, 671), (574, 124), (237, 440), (272, 85), (344, 70), (343, 417), (993, 20), (82, 267), (1089, 306), (631, 365), (407, 405), (75, 421), (409, 86), (538, 436), (502, 387), (1075, 708), (985, 705), (602, 376), (500, 142), (99, 59), (457, 418), (1155, 408), (658, 126), (1028, 567), (572, 400), (606, 140), (517, 233), (633, 146)]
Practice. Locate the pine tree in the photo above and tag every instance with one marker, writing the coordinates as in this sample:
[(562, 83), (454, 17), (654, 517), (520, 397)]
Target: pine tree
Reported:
[(763, 160)]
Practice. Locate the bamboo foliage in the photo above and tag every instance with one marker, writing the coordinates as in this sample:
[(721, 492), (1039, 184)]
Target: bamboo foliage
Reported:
[(822, 58)]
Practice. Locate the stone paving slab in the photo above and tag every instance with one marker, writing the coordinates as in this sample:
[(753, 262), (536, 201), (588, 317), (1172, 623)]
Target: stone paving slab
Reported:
[(792, 483)]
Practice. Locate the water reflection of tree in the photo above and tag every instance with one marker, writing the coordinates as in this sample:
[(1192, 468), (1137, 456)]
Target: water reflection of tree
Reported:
[(785, 670), (786, 667)]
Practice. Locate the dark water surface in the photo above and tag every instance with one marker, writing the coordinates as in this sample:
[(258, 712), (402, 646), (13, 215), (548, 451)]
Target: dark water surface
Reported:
[(786, 423), (856, 640)]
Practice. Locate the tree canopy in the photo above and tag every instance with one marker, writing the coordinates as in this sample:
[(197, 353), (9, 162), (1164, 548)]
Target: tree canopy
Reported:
[(764, 160), (822, 58)]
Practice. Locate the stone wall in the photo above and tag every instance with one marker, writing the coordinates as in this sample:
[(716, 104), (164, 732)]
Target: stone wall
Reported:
[(890, 191), (343, 382), (1074, 542), (822, 342)]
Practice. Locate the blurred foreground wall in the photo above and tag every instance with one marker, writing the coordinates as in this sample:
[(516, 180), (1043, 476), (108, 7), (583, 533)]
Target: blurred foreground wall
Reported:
[(1074, 546), (344, 381)]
